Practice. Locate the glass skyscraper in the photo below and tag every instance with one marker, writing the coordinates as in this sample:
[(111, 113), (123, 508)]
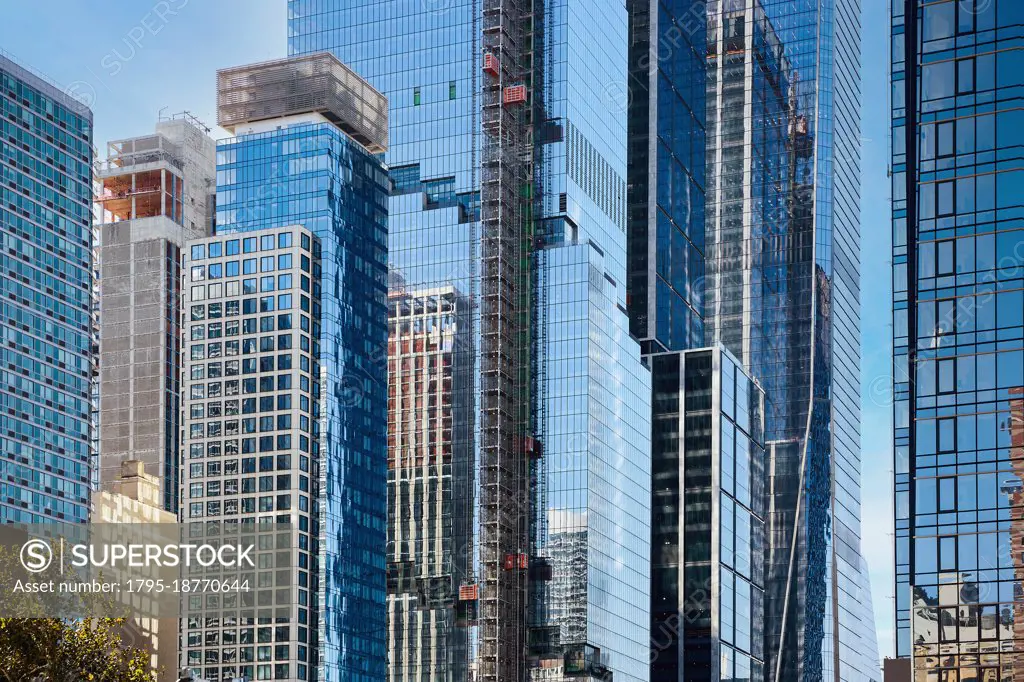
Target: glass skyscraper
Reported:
[(530, 228), (667, 178), (709, 503), (778, 249), (314, 160), (958, 324), (46, 280)]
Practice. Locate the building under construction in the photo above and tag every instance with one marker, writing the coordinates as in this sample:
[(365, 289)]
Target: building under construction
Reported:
[(153, 193), (508, 185)]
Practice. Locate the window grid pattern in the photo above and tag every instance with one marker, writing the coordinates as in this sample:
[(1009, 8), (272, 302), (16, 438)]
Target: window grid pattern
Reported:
[(46, 282), (958, 333), (311, 174), (251, 432)]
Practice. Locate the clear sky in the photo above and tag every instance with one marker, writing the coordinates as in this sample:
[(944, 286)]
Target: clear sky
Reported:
[(134, 59)]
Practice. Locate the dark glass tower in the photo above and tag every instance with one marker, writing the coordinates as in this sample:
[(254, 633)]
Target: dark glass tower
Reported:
[(958, 320), (779, 249), (46, 279), (667, 122), (708, 535)]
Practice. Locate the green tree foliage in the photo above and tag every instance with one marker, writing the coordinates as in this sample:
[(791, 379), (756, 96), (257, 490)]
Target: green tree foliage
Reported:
[(54, 650)]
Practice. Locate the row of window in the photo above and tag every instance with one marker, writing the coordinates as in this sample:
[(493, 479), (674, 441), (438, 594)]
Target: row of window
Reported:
[(263, 384), (233, 408), (246, 505), (234, 427), (245, 465), (247, 346), (246, 486), (230, 247), (202, 292), (249, 266), (252, 306)]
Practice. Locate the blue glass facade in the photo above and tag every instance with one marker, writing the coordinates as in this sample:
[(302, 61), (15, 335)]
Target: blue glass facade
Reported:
[(783, 296), (957, 77), (468, 183), (425, 57), (667, 180), (46, 279), (313, 175), (591, 487)]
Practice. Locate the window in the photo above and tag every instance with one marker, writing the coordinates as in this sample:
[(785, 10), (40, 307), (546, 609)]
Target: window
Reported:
[(416, 99), (199, 252), (938, 79), (965, 76), (451, 89), (944, 199), (944, 253), (939, 21)]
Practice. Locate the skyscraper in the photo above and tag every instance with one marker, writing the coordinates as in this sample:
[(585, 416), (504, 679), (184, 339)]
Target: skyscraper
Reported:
[(46, 279), (154, 192), (779, 246), (308, 137), (708, 539), (252, 377), (667, 177), (958, 324), (783, 296), (508, 166)]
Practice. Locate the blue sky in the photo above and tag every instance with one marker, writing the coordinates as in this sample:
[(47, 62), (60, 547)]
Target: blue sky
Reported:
[(133, 60)]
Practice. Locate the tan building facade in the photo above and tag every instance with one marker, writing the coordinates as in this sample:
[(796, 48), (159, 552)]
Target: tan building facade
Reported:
[(136, 497)]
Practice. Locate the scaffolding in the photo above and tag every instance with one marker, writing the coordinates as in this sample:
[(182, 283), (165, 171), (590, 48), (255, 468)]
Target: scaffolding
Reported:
[(142, 177), (317, 83), (504, 307)]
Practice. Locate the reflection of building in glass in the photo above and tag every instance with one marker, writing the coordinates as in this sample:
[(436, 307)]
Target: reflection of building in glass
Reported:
[(432, 596), (749, 161), (308, 133), (46, 270), (958, 320), (590, 490), (508, 168), (154, 192), (666, 161), (782, 296), (708, 533)]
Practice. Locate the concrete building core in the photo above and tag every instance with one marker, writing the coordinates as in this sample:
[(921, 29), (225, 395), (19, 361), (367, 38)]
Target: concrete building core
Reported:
[(153, 193)]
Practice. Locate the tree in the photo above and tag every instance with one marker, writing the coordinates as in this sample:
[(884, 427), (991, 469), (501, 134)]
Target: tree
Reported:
[(54, 650)]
